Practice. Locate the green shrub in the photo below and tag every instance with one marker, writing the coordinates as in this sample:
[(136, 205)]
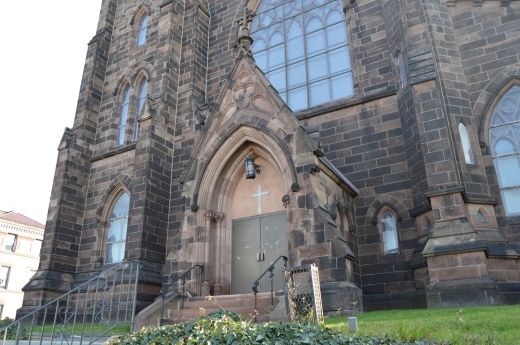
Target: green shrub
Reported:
[(11, 331), (229, 328)]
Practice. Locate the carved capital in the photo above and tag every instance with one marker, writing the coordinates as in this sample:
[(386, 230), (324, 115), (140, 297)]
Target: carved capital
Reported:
[(295, 187), (219, 217), (314, 169), (286, 200), (209, 215)]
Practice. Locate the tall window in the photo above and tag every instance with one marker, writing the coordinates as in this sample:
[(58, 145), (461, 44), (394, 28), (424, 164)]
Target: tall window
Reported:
[(116, 236), (402, 70), (504, 139), (124, 115), (9, 242), (140, 105), (4, 276), (143, 28), (466, 144), (302, 48), (389, 227)]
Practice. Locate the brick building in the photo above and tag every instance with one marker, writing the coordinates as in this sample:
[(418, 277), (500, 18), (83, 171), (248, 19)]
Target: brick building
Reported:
[(385, 132), (20, 244)]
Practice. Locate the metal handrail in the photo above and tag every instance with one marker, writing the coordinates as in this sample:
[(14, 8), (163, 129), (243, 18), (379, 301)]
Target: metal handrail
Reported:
[(73, 310), (271, 275), (183, 276)]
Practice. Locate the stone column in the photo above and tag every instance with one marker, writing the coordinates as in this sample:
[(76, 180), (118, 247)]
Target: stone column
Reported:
[(217, 287), (204, 257)]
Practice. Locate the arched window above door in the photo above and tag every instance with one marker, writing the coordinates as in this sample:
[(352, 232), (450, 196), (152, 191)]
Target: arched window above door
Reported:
[(302, 47), (116, 234), (504, 140)]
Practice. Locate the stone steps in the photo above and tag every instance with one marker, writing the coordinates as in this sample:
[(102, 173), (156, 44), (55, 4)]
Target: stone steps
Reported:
[(241, 303)]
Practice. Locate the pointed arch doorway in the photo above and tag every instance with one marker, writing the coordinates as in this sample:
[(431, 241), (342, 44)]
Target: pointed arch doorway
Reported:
[(254, 230), (258, 226)]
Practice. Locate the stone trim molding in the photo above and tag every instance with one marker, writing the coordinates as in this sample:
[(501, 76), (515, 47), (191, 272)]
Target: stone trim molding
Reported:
[(234, 130), (97, 37), (114, 152), (141, 9), (121, 182), (343, 104)]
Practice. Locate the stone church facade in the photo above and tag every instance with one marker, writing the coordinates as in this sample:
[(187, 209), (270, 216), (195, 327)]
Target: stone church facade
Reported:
[(384, 133)]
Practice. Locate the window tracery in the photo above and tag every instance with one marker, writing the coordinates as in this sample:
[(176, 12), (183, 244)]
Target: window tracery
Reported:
[(504, 140), (302, 47), (117, 228)]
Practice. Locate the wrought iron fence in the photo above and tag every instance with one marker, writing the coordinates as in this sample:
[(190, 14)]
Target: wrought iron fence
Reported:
[(303, 299), (86, 313)]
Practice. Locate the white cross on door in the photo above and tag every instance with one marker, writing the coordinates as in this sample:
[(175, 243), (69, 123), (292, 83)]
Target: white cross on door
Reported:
[(259, 195)]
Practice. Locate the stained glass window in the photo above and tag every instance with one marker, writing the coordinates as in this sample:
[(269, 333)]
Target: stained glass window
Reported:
[(391, 244), (141, 33), (140, 105), (302, 47), (123, 117), (504, 140), (116, 237), (466, 144)]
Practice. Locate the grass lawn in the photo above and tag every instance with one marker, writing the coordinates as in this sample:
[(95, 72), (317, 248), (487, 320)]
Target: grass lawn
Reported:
[(97, 329), (477, 325)]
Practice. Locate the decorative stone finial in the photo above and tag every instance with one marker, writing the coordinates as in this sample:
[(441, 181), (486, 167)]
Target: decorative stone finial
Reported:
[(244, 40)]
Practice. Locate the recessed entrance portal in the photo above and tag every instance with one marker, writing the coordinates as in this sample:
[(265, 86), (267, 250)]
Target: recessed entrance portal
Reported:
[(257, 243)]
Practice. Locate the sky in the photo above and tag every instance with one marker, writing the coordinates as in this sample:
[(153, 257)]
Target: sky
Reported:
[(44, 44)]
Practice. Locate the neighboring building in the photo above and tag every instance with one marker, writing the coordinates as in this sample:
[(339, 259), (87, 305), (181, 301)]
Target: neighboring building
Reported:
[(20, 245), (386, 131)]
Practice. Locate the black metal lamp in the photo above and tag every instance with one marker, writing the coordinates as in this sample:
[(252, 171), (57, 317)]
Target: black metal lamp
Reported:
[(251, 168)]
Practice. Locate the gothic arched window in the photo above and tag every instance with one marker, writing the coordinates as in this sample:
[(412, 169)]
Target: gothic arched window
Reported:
[(140, 104), (504, 140), (302, 48), (466, 143), (116, 234), (141, 31), (389, 228), (124, 115)]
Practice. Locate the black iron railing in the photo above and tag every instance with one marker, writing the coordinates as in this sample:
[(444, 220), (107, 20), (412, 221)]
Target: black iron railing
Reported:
[(271, 275), (87, 312), (182, 278)]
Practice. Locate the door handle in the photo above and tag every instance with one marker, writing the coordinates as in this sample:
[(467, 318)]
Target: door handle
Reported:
[(260, 256)]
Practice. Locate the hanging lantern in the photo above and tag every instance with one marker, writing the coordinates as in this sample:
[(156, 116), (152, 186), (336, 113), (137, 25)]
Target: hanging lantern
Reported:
[(250, 168)]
